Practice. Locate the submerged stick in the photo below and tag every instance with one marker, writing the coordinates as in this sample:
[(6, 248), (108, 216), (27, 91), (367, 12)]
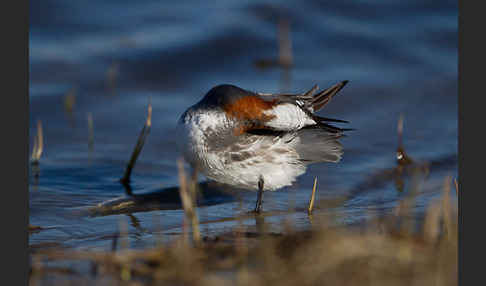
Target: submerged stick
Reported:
[(138, 147), (187, 193), (33, 228), (38, 145), (313, 196)]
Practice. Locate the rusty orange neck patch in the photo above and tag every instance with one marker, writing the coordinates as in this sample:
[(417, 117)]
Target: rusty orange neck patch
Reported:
[(250, 110)]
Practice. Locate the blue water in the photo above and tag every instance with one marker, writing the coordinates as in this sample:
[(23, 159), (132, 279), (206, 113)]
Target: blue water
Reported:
[(114, 56)]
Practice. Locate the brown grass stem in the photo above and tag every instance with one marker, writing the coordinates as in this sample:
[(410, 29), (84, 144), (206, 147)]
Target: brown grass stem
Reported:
[(284, 43), (70, 100), (457, 186), (112, 75), (400, 130), (446, 207), (38, 145), (312, 199), (187, 192), (285, 55)]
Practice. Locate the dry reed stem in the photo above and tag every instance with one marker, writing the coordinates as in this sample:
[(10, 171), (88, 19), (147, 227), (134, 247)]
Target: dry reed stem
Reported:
[(400, 129), (183, 193), (457, 186), (33, 160), (70, 100), (112, 75), (38, 144), (123, 232), (446, 207), (194, 219), (311, 202), (285, 55), (187, 194), (138, 147), (284, 43), (125, 273), (431, 227)]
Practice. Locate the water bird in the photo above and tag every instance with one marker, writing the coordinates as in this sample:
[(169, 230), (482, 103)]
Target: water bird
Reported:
[(259, 141)]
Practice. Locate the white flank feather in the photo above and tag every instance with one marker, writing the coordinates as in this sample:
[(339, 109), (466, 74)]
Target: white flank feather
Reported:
[(288, 117)]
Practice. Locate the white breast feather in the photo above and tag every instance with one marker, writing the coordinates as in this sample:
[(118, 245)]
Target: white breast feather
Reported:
[(278, 168), (193, 137)]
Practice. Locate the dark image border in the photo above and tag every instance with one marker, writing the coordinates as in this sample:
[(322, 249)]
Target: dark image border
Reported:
[(471, 50), (14, 116)]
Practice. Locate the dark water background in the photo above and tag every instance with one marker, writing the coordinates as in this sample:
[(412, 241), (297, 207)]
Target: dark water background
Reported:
[(113, 56)]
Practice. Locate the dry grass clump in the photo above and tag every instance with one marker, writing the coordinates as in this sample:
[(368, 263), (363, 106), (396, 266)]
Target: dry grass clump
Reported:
[(381, 252)]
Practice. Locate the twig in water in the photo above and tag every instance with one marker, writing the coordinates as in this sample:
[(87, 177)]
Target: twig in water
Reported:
[(35, 228), (457, 186), (402, 157), (183, 194), (285, 58), (446, 207), (91, 132), (114, 242), (38, 145), (112, 76), (284, 44), (400, 129), (188, 198), (138, 147), (125, 272), (313, 196), (70, 100)]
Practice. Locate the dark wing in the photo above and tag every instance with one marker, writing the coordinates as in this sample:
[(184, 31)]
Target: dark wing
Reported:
[(290, 119), (311, 102), (318, 145)]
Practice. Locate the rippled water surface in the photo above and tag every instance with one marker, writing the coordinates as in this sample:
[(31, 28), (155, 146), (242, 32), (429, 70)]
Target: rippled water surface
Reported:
[(112, 57)]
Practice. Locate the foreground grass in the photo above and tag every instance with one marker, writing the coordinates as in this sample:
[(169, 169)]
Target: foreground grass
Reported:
[(391, 250)]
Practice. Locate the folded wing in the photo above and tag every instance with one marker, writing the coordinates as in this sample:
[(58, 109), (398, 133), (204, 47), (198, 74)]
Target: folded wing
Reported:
[(290, 112)]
